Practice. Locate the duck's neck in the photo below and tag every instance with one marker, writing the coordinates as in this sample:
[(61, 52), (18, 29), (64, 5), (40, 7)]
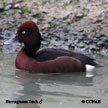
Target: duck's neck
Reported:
[(31, 48), (30, 52)]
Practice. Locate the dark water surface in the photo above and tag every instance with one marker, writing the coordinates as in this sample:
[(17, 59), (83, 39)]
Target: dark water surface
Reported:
[(55, 90)]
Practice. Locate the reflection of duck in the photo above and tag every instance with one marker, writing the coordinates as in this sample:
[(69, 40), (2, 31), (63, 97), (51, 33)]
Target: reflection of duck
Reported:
[(48, 60), (49, 87), (30, 94)]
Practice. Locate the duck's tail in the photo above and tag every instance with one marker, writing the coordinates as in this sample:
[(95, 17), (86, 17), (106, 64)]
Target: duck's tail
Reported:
[(99, 65)]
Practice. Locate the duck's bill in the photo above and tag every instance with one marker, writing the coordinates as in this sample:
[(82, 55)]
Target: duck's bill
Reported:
[(11, 41)]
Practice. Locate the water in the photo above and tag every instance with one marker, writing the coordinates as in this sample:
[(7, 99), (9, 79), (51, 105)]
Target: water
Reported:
[(55, 90)]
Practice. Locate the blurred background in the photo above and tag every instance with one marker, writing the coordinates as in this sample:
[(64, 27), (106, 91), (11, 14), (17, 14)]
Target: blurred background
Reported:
[(79, 25)]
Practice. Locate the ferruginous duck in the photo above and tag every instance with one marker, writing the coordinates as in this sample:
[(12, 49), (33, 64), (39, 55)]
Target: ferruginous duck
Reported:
[(49, 60)]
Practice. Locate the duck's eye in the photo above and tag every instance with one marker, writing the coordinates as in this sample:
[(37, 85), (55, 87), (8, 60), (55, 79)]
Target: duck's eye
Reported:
[(23, 32)]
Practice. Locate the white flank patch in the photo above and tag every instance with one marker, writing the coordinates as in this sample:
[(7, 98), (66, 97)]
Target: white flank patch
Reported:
[(89, 68)]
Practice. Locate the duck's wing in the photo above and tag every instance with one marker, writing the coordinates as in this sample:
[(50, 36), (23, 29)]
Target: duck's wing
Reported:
[(51, 53)]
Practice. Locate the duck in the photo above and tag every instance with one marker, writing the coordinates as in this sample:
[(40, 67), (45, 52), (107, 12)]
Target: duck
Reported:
[(48, 60)]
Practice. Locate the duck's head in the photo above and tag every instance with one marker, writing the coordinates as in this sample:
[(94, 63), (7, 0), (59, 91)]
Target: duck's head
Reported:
[(27, 33)]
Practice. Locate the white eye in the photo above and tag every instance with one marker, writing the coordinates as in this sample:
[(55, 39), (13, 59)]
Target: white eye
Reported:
[(23, 32)]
